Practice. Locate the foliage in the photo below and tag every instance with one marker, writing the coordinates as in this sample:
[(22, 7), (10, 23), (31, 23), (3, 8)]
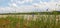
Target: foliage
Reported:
[(46, 21)]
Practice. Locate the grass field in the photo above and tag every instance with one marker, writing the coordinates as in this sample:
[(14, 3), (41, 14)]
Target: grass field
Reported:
[(29, 21)]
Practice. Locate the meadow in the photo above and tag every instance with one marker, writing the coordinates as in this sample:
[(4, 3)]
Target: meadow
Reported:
[(29, 21)]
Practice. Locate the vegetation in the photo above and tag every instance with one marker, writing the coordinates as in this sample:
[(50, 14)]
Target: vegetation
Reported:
[(35, 13), (42, 21), (31, 20)]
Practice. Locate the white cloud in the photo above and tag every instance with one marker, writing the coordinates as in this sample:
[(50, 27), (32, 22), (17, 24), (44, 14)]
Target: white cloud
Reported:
[(51, 5), (32, 8), (21, 1), (28, 0), (42, 6), (13, 4)]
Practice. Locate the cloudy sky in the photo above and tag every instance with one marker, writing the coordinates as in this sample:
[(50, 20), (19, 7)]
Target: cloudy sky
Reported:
[(12, 6)]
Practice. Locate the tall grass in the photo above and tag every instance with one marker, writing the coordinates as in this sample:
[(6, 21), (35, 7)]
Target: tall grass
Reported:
[(38, 21)]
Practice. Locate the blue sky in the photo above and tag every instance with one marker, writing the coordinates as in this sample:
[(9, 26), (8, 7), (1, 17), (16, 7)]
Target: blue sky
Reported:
[(28, 5), (4, 3)]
